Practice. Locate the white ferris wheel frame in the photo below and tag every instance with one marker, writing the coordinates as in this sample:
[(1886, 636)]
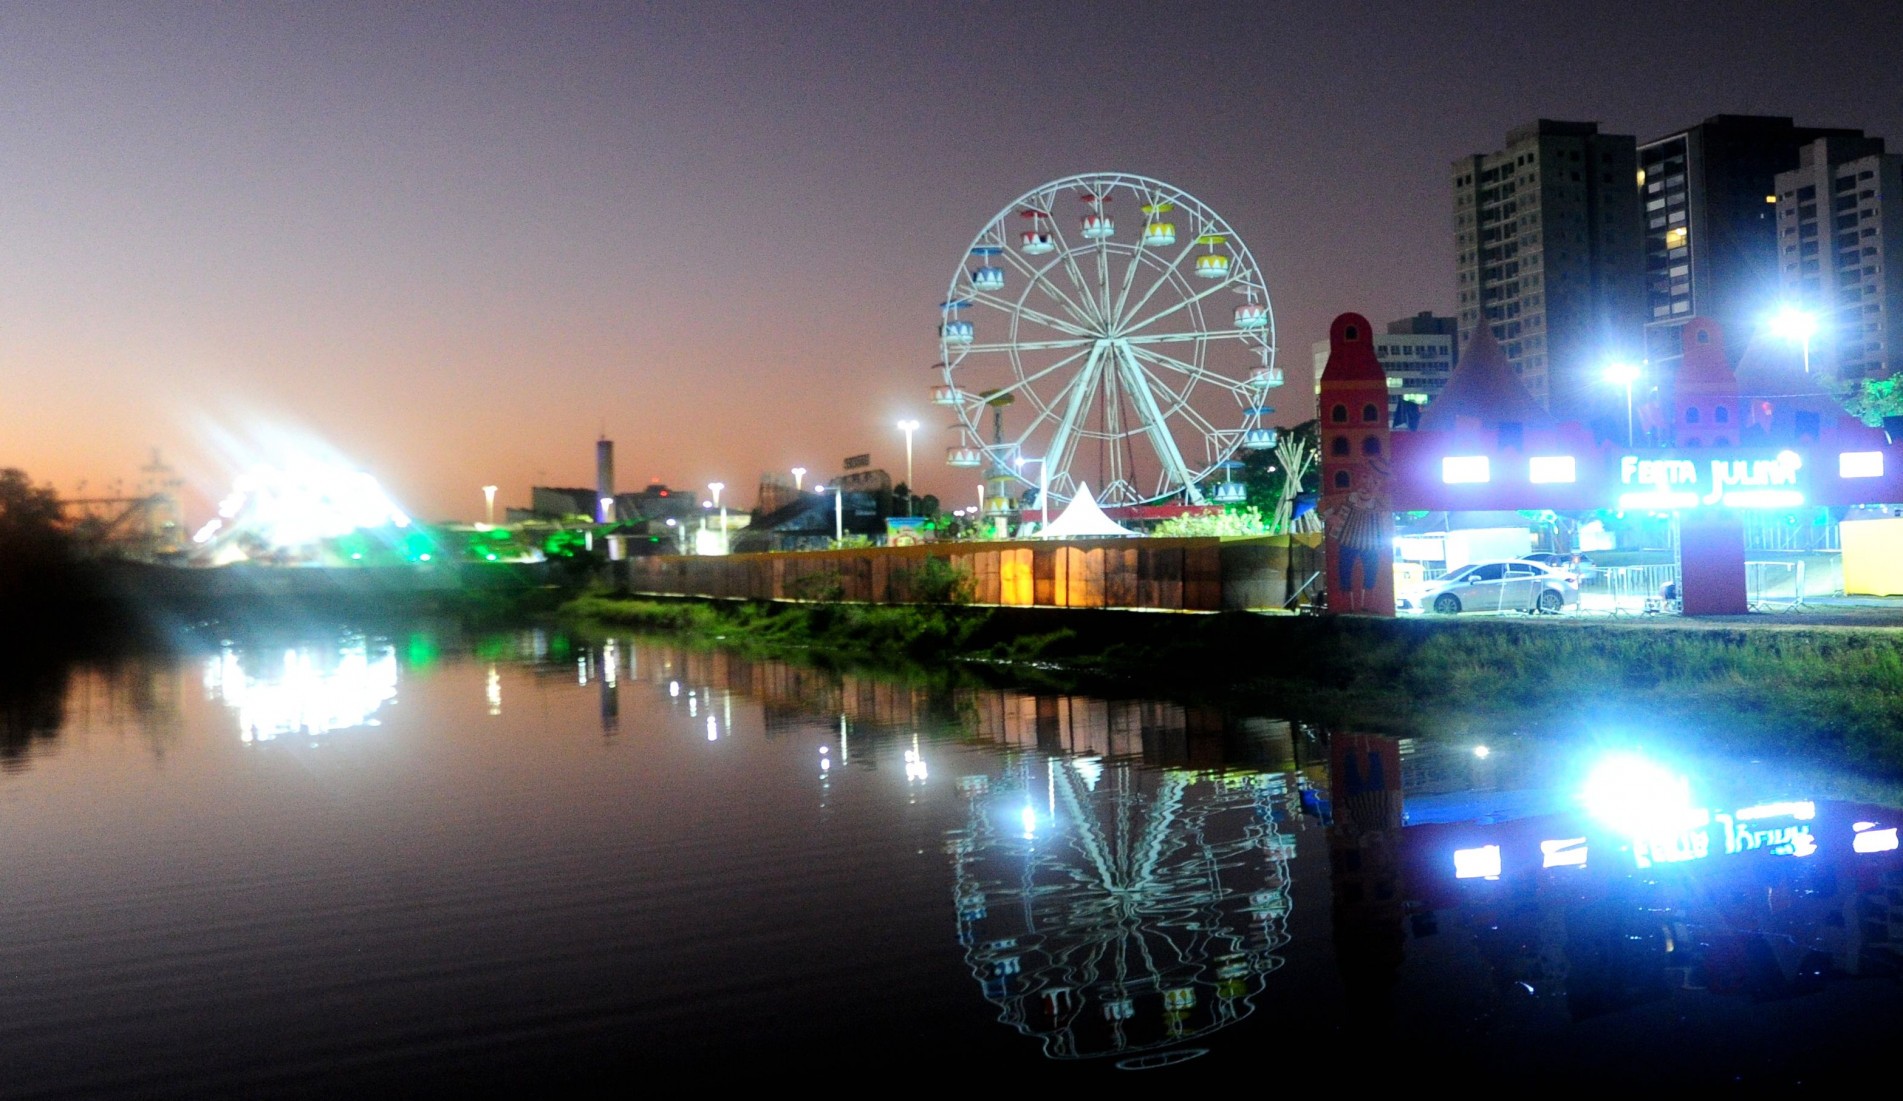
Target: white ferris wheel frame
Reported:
[(1108, 371)]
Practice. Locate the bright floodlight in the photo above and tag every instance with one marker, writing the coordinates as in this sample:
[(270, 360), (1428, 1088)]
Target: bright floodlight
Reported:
[(1622, 374), (1792, 323)]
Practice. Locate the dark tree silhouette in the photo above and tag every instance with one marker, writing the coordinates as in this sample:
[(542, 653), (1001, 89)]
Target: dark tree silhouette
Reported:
[(37, 570)]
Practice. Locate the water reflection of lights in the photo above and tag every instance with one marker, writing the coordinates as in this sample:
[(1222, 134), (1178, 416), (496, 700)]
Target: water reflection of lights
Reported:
[(713, 729), (306, 691), (915, 770), (1110, 909), (493, 690)]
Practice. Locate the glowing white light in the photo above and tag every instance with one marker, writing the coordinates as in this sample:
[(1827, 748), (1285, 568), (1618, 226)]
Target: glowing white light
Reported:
[(1641, 798), (1552, 469), (1860, 464), (1028, 817), (915, 770), (492, 690), (306, 501), (1089, 769), (307, 691), (1569, 853), (1861, 826), (1874, 841), (1480, 863), (713, 730), (674, 689), (1482, 752), (1465, 469)]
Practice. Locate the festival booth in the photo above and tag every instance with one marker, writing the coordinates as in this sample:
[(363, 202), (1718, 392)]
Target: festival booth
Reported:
[(1484, 444)]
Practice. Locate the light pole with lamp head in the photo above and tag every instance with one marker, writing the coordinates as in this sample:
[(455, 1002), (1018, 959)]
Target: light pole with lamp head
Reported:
[(799, 478), (1626, 374), (1792, 323), (908, 427), (489, 504), (715, 488)]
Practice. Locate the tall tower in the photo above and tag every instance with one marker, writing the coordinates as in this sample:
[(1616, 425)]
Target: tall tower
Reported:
[(1355, 501), (604, 479), (1547, 237)]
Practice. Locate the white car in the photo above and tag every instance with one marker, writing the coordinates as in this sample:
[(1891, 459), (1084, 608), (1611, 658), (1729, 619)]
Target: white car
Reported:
[(1516, 586)]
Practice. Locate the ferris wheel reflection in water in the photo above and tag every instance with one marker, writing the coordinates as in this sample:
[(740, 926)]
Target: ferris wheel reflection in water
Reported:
[(1115, 910)]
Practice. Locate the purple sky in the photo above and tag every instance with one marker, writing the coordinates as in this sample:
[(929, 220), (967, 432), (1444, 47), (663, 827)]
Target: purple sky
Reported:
[(455, 243)]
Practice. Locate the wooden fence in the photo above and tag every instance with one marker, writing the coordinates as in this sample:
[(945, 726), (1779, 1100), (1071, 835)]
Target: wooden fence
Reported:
[(1173, 574)]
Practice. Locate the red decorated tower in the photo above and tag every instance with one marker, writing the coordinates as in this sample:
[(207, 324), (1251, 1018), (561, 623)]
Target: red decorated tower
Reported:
[(1355, 496)]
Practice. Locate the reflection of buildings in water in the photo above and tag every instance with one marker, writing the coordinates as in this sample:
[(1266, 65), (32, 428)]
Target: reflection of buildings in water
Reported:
[(608, 662), (306, 690), (32, 710), (1112, 909)]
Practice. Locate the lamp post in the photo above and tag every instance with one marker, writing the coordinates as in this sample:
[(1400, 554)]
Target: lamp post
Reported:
[(715, 488), (489, 504), (799, 478), (908, 427), (839, 514), (1043, 490), (1792, 323), (1626, 374)]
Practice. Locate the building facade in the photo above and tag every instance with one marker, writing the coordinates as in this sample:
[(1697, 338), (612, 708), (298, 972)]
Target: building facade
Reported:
[(1547, 237), (1711, 228), (1840, 242)]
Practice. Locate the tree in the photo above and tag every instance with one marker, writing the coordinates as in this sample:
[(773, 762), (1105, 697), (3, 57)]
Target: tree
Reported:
[(36, 559), (1873, 399)]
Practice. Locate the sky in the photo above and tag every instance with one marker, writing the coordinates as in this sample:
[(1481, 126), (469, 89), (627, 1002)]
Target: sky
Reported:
[(454, 244)]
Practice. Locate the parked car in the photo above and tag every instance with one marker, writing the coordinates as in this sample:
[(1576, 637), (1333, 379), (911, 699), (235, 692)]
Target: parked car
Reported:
[(1579, 568), (1508, 586)]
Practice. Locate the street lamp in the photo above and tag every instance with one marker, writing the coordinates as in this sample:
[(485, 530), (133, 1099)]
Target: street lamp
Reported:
[(1043, 490), (799, 478), (1791, 323), (908, 427), (1625, 374), (715, 488), (489, 503)]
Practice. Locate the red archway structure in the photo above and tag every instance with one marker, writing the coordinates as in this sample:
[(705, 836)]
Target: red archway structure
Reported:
[(1484, 445)]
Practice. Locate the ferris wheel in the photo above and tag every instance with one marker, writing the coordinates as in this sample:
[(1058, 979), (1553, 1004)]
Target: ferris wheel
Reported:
[(1131, 358)]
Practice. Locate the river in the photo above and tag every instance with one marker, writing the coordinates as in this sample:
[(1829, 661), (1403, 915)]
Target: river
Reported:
[(409, 860)]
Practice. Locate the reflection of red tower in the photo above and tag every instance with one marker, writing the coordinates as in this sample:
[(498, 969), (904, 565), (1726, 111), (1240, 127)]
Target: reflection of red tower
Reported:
[(1355, 500)]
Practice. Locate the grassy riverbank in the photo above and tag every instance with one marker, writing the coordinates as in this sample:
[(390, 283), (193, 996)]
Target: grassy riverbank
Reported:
[(1829, 691)]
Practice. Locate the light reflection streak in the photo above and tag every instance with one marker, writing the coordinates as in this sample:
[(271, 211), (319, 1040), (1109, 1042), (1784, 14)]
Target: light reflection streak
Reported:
[(305, 690)]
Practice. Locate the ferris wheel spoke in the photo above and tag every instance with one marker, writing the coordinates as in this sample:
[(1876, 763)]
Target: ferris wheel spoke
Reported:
[(1197, 374), (1078, 282), (1027, 380), (1164, 275), (1154, 424), (1035, 276), (1033, 345), (1199, 334), (1064, 439), (1031, 313), (1178, 404), (1130, 330)]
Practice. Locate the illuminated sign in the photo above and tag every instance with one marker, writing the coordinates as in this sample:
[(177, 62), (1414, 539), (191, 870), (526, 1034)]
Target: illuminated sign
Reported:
[(1675, 483), (1552, 469), (1465, 470), (1480, 863), (1860, 464)]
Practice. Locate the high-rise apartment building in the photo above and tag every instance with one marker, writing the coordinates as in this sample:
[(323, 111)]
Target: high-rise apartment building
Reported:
[(1840, 252), (1416, 353), (1711, 247), (1547, 235)]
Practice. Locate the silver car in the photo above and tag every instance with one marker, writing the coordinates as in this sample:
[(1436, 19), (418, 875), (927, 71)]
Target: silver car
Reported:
[(1517, 586)]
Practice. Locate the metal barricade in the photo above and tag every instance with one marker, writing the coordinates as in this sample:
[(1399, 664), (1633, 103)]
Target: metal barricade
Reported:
[(1774, 586), (1628, 590)]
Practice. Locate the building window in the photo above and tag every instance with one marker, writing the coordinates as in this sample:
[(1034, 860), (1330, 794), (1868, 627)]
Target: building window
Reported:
[(1370, 413), (1339, 414), (1691, 414), (1341, 479), (1371, 446), (1340, 446), (1721, 415)]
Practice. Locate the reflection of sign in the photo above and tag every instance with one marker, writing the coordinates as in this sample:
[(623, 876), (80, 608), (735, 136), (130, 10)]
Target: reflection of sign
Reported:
[(854, 462), (1688, 483)]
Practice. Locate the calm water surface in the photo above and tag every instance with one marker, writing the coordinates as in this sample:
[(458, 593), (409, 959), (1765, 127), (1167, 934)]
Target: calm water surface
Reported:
[(408, 860)]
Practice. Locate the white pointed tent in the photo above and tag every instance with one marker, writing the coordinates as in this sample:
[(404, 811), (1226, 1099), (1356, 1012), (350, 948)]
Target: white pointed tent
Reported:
[(1082, 518)]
